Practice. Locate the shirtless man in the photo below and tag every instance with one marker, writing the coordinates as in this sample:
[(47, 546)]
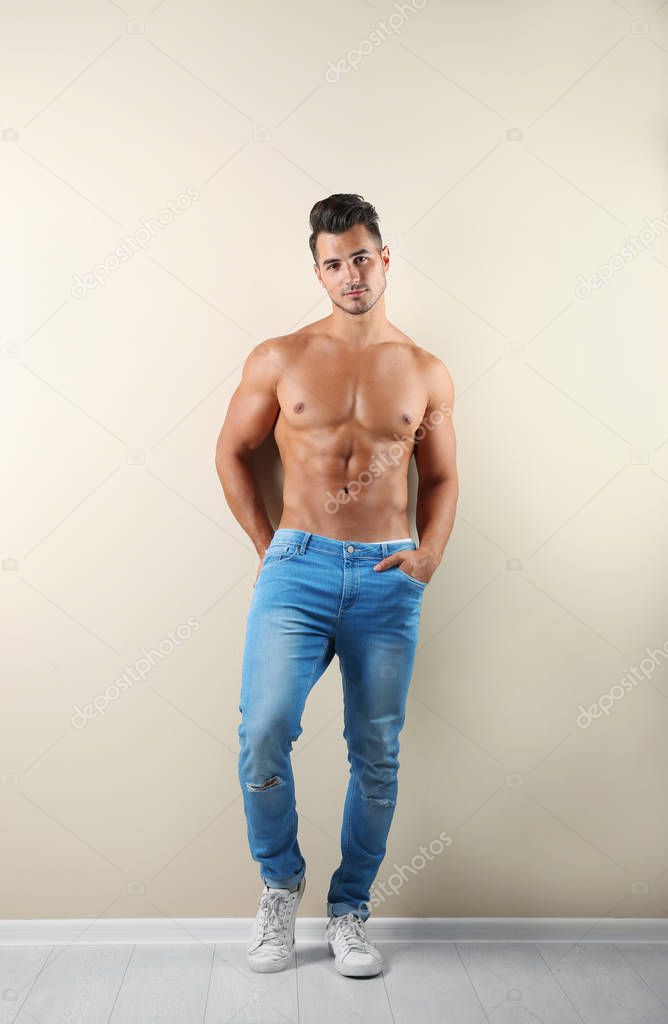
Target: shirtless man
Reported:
[(350, 399)]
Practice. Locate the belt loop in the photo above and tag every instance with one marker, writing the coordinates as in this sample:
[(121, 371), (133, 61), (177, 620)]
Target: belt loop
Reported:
[(384, 547), (304, 544)]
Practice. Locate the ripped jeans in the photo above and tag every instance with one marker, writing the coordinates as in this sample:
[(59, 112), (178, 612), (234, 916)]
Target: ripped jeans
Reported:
[(316, 597)]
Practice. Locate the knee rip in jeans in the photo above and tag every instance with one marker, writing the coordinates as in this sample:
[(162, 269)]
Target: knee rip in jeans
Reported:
[(381, 801), (273, 781)]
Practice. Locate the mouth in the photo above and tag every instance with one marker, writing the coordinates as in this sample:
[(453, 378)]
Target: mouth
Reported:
[(358, 291)]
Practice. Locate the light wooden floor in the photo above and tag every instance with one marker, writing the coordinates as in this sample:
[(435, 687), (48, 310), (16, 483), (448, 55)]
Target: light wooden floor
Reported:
[(422, 983)]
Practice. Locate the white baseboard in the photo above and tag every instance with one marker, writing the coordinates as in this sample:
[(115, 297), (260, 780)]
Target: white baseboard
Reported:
[(103, 931)]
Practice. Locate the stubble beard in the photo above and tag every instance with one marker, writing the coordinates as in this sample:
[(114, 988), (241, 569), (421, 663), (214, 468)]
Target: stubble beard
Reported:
[(360, 308)]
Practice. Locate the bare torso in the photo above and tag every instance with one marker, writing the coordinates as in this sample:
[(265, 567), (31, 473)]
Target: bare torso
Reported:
[(345, 432)]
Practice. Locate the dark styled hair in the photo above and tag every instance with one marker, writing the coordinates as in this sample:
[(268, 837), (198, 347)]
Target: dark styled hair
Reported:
[(340, 212)]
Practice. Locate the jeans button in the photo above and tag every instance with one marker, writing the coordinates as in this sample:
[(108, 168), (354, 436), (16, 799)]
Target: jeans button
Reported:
[(350, 547)]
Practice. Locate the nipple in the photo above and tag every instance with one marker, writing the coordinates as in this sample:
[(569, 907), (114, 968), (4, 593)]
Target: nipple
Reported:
[(299, 407), (405, 417)]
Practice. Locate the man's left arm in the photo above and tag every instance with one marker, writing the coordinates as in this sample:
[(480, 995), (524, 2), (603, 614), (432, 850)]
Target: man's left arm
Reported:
[(436, 461), (438, 488)]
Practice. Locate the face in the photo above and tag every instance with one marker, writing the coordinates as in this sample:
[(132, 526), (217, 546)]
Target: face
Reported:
[(352, 269)]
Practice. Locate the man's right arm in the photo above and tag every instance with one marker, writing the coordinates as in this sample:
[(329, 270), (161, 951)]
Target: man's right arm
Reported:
[(250, 417)]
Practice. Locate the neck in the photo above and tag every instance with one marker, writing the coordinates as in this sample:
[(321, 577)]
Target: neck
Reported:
[(362, 330)]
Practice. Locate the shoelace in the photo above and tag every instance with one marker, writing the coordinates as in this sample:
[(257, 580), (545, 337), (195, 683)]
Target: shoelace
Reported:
[(272, 906), (350, 928)]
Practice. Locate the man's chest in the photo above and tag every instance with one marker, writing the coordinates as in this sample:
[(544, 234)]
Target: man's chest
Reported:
[(380, 396)]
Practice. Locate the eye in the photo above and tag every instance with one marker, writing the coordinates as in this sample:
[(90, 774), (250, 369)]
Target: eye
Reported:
[(362, 257)]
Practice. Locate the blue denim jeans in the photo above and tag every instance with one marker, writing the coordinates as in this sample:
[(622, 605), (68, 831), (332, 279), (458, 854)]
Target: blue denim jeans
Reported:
[(316, 597)]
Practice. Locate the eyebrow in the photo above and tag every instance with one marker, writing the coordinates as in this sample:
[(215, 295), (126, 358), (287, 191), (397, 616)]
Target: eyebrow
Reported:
[(358, 252)]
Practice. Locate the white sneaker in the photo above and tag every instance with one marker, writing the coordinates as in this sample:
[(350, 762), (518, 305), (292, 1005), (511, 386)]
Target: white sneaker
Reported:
[(273, 944), (353, 954)]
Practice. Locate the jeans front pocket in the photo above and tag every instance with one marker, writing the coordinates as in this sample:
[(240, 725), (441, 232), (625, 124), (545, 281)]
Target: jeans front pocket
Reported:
[(281, 552), (420, 583), (277, 554)]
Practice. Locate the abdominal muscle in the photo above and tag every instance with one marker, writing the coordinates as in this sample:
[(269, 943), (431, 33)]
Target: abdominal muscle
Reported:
[(374, 506)]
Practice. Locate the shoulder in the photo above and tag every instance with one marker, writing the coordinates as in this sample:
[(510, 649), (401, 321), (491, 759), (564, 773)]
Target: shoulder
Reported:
[(283, 346), (285, 349), (436, 376), (269, 359), (433, 370), (262, 365)]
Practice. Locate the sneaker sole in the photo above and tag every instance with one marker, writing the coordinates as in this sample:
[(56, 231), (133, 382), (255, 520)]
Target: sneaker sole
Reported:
[(359, 970)]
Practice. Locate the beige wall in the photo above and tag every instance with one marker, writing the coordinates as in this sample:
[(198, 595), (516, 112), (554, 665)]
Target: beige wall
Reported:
[(509, 148)]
